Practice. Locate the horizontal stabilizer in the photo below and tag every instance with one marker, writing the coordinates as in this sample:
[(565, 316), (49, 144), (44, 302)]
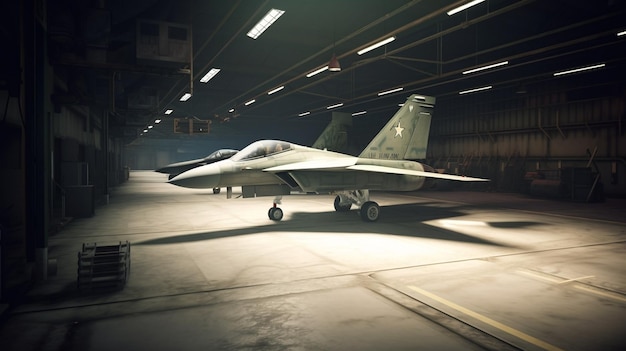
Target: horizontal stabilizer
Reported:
[(392, 170)]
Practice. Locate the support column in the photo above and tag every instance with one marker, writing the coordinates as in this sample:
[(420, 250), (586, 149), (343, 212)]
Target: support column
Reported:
[(37, 148)]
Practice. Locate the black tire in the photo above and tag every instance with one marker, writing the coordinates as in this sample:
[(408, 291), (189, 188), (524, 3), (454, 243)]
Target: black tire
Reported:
[(275, 214), (216, 190), (370, 211), (339, 207)]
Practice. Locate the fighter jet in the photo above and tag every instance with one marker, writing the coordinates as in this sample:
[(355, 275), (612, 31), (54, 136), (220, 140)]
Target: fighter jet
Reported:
[(333, 137), (174, 169), (274, 167)]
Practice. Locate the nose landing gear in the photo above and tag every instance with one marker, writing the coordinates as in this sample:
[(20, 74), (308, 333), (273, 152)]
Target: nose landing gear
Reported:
[(275, 213)]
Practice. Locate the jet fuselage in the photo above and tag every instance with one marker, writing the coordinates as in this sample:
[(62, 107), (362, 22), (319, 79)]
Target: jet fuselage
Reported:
[(250, 168)]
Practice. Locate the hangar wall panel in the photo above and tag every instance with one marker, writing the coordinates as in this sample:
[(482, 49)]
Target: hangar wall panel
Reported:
[(548, 130)]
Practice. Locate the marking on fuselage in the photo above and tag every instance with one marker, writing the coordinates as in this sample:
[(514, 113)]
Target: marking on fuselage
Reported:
[(398, 131)]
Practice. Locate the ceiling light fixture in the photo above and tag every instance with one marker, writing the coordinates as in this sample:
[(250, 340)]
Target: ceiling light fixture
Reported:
[(304, 113), (275, 90), (145, 131), (169, 111), (475, 90), (317, 71), (359, 113), (390, 91), (150, 127), (579, 69), (334, 106), (207, 77), (250, 102), (619, 34), (157, 121), (231, 110), (464, 7), (333, 64), (376, 46), (486, 67), (185, 97), (271, 17)]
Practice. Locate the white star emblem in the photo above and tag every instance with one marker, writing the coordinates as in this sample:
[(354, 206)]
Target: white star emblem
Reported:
[(398, 131)]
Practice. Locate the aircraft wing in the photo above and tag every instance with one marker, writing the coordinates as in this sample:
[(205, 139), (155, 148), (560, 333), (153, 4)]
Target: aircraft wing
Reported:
[(393, 170), (349, 164), (315, 165)]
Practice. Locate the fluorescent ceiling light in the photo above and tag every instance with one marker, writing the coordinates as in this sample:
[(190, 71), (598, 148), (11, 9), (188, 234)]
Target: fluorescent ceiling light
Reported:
[(145, 131), (271, 17), (464, 7), (390, 91), (317, 71), (304, 113), (169, 111), (619, 34), (250, 102), (207, 77), (150, 127), (157, 121), (376, 46), (231, 110), (185, 97), (475, 90), (276, 90), (335, 105), (359, 113), (486, 67), (400, 105), (579, 69)]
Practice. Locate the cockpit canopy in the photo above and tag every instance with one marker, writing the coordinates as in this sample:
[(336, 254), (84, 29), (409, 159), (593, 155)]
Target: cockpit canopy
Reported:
[(220, 154), (260, 149)]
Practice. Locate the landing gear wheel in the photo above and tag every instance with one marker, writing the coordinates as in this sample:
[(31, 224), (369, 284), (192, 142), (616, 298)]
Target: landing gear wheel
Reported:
[(216, 190), (370, 211), (275, 214), (339, 207)]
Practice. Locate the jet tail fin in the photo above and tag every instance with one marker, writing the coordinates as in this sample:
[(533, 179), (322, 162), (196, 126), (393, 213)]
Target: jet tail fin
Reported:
[(335, 136), (405, 136)]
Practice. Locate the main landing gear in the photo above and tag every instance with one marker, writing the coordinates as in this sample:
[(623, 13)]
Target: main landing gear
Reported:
[(369, 211)]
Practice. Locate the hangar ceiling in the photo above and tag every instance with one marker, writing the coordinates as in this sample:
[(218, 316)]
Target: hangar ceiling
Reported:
[(95, 47)]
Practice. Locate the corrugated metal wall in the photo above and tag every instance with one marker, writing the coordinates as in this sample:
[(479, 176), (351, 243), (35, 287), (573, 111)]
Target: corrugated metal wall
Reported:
[(505, 135)]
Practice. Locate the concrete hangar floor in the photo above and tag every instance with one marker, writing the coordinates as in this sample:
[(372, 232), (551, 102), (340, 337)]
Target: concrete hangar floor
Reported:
[(438, 271)]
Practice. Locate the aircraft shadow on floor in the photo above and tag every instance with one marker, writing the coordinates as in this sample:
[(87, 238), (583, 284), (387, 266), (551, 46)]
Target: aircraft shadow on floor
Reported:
[(399, 220)]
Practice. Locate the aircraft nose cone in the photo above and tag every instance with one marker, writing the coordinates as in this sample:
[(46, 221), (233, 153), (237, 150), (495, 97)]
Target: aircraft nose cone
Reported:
[(202, 177)]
